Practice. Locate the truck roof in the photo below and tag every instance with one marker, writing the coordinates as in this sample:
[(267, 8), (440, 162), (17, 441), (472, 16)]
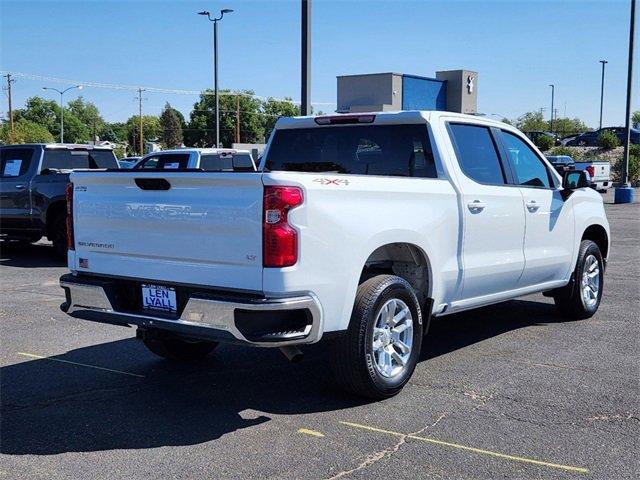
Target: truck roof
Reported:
[(380, 118), (200, 150), (62, 146)]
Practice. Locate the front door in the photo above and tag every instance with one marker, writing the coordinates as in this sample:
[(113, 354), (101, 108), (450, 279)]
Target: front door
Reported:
[(549, 238), (492, 212), (15, 199)]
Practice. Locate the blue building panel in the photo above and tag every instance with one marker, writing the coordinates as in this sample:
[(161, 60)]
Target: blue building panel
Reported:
[(422, 93)]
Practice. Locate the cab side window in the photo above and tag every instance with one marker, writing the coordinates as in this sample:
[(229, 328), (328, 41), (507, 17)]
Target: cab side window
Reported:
[(477, 153), (528, 168), (15, 161)]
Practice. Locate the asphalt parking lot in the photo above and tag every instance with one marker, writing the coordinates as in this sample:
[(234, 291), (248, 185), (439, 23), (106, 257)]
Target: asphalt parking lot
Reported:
[(508, 391)]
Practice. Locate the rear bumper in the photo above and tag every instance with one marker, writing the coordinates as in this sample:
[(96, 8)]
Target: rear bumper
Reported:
[(264, 322)]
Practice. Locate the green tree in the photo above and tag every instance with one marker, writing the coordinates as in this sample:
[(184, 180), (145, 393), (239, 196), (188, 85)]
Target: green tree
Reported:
[(88, 115), (635, 118), (171, 127), (273, 109), (531, 122), (115, 132), (25, 131), (569, 126), (507, 121), (201, 129), (46, 113), (150, 128)]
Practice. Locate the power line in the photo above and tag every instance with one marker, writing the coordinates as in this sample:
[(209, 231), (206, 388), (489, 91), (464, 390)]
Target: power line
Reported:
[(115, 86)]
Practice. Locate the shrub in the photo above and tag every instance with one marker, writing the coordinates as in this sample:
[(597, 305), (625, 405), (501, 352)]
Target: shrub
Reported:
[(544, 142), (573, 152), (634, 164), (608, 140), (562, 150)]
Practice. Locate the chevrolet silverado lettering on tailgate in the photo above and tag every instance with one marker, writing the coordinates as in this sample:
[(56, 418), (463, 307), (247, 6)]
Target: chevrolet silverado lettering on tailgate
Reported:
[(356, 230)]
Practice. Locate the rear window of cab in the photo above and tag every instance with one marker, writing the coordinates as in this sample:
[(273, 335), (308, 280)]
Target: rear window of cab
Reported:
[(389, 150)]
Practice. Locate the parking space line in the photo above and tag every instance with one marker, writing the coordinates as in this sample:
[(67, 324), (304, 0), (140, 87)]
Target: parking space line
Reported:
[(470, 449), (40, 357), (313, 433)]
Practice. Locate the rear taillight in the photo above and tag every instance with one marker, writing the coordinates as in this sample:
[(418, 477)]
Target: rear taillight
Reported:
[(591, 171), (279, 239), (68, 193)]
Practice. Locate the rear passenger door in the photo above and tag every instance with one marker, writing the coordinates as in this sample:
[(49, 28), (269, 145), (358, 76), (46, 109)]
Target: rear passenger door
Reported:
[(549, 221), (492, 212)]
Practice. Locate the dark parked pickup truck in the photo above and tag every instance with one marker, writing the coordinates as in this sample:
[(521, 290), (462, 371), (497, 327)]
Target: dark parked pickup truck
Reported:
[(33, 178)]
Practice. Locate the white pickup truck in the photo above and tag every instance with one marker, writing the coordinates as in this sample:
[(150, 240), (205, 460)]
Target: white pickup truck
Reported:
[(357, 229)]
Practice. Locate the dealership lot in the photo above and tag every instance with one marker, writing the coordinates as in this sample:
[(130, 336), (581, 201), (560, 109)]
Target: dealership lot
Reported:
[(508, 391)]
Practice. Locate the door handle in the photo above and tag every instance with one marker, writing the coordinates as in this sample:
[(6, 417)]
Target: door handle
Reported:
[(20, 187), (533, 206), (476, 206)]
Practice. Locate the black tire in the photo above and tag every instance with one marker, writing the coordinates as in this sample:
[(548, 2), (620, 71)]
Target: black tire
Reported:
[(179, 350), (570, 300), (59, 235), (351, 355)]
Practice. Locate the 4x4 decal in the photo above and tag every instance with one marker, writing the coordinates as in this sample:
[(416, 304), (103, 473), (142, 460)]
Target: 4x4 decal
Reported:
[(332, 181)]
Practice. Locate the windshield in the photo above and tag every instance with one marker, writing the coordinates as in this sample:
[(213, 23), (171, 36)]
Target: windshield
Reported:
[(397, 150)]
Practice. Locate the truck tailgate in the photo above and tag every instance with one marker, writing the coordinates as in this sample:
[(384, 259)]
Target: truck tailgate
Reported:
[(601, 171), (205, 229)]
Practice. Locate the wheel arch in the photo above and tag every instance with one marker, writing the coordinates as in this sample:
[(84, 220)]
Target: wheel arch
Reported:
[(406, 260), (599, 235), (56, 208)]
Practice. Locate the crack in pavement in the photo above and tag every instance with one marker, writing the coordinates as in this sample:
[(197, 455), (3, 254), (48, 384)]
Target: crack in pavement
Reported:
[(387, 452)]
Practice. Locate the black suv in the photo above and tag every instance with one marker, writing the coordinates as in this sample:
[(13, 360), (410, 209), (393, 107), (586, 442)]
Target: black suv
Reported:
[(33, 178), (590, 139)]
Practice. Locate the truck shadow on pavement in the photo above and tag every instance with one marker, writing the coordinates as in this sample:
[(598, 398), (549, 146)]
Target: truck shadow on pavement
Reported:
[(50, 407), (29, 256)]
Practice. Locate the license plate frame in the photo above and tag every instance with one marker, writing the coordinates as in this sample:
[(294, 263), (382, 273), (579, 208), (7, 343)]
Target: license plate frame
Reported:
[(159, 298)]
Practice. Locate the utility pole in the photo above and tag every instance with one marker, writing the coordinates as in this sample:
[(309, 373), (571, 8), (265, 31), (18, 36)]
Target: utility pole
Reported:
[(553, 91), (140, 90), (305, 99), (237, 118), (603, 62), (9, 82)]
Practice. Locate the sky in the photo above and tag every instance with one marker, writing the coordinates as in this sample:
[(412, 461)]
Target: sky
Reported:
[(518, 48)]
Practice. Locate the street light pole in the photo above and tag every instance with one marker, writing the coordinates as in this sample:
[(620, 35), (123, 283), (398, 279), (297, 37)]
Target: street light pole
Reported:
[(79, 87), (553, 90), (305, 94), (215, 66), (625, 193), (603, 62)]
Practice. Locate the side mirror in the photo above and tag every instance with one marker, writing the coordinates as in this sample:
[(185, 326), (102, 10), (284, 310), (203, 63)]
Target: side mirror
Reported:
[(573, 180)]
